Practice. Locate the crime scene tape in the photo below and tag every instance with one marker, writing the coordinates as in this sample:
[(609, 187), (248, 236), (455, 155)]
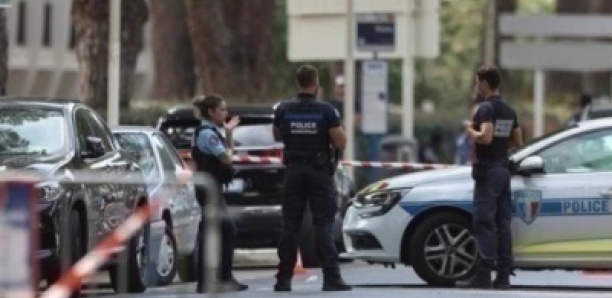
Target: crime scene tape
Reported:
[(99, 255), (246, 159)]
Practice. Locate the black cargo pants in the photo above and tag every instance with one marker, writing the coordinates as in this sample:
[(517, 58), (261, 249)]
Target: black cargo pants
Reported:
[(305, 183), (492, 215)]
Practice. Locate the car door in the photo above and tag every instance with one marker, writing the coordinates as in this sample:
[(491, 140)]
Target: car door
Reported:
[(566, 211), (185, 209)]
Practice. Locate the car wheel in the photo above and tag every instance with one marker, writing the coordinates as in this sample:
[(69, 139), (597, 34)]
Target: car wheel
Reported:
[(72, 247), (129, 275), (166, 264), (187, 267), (443, 249)]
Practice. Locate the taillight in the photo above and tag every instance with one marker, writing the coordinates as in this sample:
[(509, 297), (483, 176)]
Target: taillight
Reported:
[(272, 153)]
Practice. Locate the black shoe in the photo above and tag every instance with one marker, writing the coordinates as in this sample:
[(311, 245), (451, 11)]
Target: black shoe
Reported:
[(336, 285), (232, 285), (480, 280), (282, 285), (502, 281)]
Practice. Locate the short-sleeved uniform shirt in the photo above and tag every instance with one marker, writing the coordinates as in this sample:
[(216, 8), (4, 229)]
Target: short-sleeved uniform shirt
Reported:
[(209, 142), (504, 121), (331, 116)]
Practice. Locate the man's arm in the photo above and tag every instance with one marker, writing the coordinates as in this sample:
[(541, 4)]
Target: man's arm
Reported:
[(277, 134), (516, 140), (484, 136), (338, 137)]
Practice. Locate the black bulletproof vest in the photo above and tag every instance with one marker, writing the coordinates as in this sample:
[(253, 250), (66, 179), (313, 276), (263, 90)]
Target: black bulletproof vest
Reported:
[(211, 164), (504, 119), (303, 128)]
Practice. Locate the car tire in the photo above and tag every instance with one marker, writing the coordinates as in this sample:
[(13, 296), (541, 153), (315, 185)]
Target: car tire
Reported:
[(187, 266), (129, 275), (443, 249), (167, 262), (75, 249)]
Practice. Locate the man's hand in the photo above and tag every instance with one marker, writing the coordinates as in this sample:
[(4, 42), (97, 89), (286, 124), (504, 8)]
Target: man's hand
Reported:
[(467, 125), (229, 126)]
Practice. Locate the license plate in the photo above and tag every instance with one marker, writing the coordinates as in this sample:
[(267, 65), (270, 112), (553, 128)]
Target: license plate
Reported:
[(237, 185)]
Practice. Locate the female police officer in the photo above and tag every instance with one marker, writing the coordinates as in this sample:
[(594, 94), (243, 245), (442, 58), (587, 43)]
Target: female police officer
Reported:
[(212, 153)]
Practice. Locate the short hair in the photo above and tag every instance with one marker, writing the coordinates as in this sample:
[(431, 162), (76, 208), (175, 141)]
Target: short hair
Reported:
[(306, 76), (489, 74), (585, 100), (204, 103)]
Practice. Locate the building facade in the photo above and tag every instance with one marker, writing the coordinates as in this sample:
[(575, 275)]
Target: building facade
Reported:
[(41, 58)]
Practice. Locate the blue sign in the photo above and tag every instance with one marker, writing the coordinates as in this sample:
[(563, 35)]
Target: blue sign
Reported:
[(375, 32)]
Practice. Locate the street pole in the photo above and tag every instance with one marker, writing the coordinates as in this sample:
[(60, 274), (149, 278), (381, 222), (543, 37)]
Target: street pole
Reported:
[(408, 79), (349, 86), (538, 103), (114, 63)]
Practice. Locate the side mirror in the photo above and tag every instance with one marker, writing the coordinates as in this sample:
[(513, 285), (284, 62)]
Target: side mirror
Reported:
[(93, 148), (530, 165), (183, 176)]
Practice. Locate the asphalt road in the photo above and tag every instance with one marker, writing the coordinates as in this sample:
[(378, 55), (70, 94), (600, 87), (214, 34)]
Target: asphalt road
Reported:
[(370, 280)]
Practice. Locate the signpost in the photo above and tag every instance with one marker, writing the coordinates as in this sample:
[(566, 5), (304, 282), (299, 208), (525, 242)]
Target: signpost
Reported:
[(375, 32)]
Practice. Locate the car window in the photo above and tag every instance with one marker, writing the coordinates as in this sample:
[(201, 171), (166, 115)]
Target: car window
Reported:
[(254, 135), (585, 153), (32, 130), (168, 164), (82, 128), (140, 144), (178, 161), (99, 130)]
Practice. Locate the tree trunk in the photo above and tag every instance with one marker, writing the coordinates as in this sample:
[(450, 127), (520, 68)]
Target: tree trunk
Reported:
[(92, 29), (232, 42), (3, 52), (173, 56)]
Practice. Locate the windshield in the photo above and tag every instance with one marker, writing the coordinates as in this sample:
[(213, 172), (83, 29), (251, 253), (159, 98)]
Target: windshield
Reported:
[(538, 139), (32, 130)]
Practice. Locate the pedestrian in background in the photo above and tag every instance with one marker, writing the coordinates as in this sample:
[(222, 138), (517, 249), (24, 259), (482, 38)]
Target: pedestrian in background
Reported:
[(584, 102), (493, 129), (311, 131), (212, 153)]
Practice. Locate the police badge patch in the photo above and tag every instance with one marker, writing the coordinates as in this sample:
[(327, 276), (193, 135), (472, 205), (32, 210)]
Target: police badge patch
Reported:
[(213, 140), (528, 204)]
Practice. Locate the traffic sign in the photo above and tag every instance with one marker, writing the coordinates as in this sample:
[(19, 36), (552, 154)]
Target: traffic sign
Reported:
[(375, 32), (374, 96)]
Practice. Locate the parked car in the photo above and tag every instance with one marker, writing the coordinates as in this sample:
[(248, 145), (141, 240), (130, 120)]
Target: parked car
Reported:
[(561, 196), (175, 223), (65, 142), (254, 196)]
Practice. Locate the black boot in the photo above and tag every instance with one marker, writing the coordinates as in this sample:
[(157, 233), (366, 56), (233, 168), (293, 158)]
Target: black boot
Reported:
[(336, 284), (502, 280), (282, 285), (480, 280)]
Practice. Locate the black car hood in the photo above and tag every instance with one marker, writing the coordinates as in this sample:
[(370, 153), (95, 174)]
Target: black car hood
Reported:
[(43, 164)]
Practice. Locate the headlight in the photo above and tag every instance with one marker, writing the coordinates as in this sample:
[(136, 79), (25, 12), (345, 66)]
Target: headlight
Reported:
[(49, 191), (379, 201)]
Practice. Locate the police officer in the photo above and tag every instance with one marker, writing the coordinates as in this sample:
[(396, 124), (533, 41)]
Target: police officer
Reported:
[(310, 131), (212, 153), (494, 130)]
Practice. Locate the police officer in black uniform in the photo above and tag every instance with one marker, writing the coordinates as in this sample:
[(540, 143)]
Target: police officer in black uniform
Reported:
[(310, 130), (212, 153), (494, 130)]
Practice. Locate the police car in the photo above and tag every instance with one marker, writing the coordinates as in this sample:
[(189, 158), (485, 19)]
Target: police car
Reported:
[(561, 200)]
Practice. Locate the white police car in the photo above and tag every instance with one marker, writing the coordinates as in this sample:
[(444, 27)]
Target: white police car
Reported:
[(562, 211)]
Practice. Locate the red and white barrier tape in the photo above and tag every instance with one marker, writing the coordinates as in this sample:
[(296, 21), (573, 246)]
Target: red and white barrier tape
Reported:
[(98, 256), (245, 159)]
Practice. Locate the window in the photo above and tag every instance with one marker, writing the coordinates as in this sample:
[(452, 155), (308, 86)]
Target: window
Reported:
[(21, 24), (72, 43), (32, 131), (47, 30), (101, 131), (167, 163), (82, 128), (140, 144), (587, 153)]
